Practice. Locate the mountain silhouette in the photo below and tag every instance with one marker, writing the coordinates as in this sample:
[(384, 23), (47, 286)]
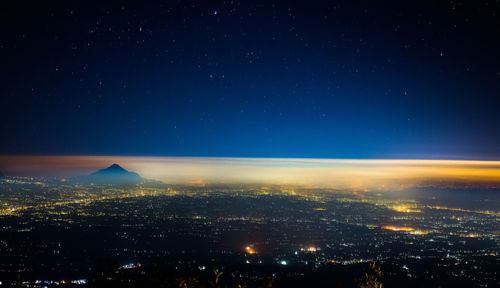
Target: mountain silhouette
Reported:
[(114, 174), (1, 175)]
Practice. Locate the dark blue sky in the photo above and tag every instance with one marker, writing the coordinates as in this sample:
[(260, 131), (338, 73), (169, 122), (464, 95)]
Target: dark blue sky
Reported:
[(324, 79)]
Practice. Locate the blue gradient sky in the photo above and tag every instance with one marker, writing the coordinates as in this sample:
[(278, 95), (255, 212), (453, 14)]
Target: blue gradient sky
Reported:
[(331, 79)]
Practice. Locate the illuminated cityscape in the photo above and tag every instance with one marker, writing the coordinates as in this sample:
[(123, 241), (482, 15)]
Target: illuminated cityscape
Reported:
[(250, 144), (57, 230)]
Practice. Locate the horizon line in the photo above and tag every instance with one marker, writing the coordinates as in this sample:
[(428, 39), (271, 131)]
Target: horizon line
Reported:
[(258, 157)]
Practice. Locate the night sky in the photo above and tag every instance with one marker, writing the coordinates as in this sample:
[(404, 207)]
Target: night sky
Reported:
[(320, 79)]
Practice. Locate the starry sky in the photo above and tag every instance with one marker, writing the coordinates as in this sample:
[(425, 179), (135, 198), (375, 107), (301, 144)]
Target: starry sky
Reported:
[(313, 79)]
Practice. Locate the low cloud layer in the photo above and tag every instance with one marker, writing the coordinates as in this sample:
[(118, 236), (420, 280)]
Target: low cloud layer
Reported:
[(339, 173)]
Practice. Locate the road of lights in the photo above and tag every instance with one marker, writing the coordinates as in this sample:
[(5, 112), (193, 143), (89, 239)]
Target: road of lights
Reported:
[(492, 213)]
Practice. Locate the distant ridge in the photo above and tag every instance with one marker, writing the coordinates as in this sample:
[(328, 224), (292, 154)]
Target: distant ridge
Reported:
[(114, 174), (2, 175)]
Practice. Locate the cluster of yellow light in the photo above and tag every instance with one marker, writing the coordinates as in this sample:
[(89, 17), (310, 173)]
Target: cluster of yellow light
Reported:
[(395, 228), (312, 249), (405, 209), (409, 230), (419, 232), (7, 211), (250, 250), (90, 199)]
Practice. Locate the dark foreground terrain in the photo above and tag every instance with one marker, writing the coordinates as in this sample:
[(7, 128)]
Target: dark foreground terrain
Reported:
[(54, 234)]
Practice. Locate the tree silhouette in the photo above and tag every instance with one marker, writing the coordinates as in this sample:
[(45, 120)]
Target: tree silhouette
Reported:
[(370, 277), (216, 282)]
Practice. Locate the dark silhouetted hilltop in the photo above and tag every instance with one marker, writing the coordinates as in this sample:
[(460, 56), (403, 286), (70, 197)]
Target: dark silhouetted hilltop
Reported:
[(114, 174)]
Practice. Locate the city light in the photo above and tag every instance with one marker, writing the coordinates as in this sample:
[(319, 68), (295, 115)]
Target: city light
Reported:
[(311, 249), (405, 209), (394, 228), (249, 250)]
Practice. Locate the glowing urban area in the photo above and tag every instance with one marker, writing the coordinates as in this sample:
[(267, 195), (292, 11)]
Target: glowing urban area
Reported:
[(250, 144), (83, 225)]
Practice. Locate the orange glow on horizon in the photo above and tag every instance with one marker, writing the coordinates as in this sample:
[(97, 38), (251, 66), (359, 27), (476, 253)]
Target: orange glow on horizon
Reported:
[(352, 174)]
